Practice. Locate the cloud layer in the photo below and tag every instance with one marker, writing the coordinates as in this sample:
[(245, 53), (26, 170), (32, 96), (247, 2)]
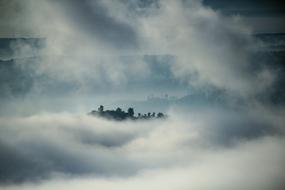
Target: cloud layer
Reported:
[(187, 150), (86, 42)]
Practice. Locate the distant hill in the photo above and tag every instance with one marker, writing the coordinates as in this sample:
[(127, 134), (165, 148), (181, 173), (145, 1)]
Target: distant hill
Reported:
[(9, 45), (121, 115), (18, 79), (272, 41)]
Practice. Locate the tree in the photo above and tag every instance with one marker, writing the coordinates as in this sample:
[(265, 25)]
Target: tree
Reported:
[(101, 109), (118, 110), (131, 112), (160, 115)]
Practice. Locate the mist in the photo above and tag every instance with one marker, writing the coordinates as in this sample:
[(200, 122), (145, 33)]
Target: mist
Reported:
[(79, 151), (219, 83)]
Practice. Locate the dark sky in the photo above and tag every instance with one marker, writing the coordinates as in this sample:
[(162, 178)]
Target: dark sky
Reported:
[(259, 7), (264, 16)]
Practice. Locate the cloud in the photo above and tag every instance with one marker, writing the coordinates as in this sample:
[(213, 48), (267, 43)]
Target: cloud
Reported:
[(86, 42), (187, 150), (209, 47), (98, 47), (231, 166)]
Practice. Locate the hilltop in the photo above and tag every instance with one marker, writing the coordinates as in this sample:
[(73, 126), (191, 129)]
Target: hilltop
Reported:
[(121, 115)]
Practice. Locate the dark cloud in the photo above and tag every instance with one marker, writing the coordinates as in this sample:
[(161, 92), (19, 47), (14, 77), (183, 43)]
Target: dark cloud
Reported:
[(254, 7), (263, 16)]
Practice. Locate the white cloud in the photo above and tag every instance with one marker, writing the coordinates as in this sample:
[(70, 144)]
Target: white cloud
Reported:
[(89, 37), (77, 151)]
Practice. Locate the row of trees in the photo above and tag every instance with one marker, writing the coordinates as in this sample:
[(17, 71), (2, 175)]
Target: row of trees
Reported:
[(119, 114)]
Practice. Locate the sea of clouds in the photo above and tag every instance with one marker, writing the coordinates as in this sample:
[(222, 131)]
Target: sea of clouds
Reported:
[(241, 147), (204, 149)]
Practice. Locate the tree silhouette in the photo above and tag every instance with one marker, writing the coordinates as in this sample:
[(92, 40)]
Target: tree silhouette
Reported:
[(160, 115), (121, 115), (118, 110), (101, 109), (131, 112)]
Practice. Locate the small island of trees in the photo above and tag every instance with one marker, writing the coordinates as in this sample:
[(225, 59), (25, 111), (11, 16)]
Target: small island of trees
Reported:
[(121, 115)]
